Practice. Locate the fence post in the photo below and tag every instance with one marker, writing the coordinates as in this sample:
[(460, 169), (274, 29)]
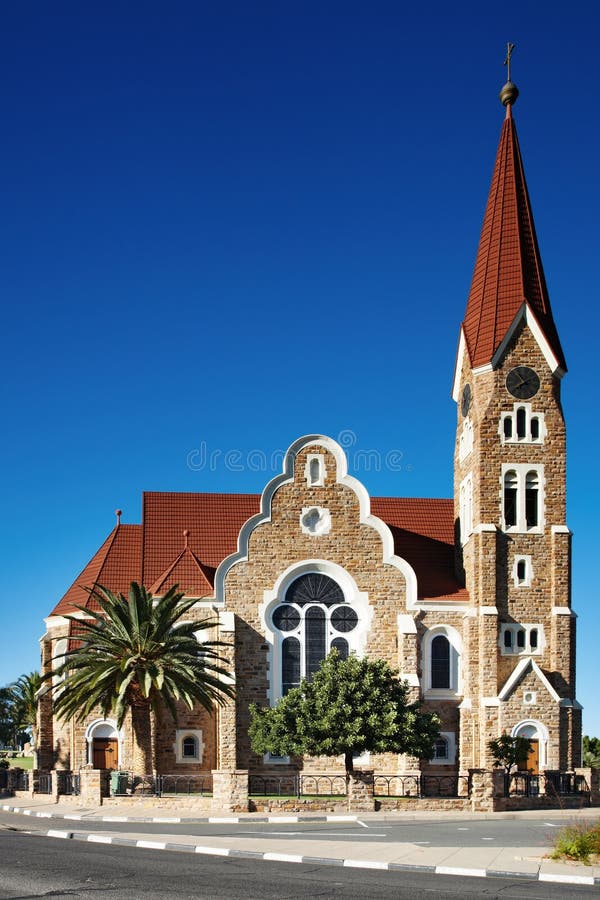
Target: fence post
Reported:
[(483, 788), (55, 785), (230, 789), (360, 790), (90, 785)]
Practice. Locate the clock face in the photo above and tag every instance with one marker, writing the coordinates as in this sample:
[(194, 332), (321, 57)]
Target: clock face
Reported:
[(523, 383), (465, 403)]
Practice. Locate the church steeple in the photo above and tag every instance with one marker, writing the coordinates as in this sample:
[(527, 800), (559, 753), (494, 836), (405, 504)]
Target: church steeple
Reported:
[(508, 269)]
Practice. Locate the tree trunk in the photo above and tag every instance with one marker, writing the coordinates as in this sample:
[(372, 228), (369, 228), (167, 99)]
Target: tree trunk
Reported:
[(349, 762), (142, 739)]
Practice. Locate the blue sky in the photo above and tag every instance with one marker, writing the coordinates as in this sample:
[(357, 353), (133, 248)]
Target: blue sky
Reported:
[(227, 225)]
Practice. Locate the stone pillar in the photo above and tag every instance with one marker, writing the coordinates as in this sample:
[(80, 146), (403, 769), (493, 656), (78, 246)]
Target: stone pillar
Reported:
[(90, 786), (230, 790), (483, 786), (360, 791), (54, 785), (592, 778), (227, 713)]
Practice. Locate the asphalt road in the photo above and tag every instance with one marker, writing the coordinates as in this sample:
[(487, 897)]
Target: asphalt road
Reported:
[(442, 833), (33, 867)]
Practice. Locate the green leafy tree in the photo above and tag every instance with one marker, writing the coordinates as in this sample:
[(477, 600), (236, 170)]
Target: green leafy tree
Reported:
[(24, 693), (591, 751), (509, 751), (350, 706), (7, 725), (139, 653)]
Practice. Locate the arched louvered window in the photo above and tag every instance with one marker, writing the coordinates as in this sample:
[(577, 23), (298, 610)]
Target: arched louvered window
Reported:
[(510, 499), (531, 499)]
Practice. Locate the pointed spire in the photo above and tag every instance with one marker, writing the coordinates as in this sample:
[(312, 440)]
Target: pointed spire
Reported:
[(508, 268)]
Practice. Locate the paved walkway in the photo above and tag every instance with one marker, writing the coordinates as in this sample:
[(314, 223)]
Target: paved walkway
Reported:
[(515, 862)]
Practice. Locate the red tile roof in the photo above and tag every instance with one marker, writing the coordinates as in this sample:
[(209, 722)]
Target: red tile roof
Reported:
[(157, 554), (508, 267), (114, 566)]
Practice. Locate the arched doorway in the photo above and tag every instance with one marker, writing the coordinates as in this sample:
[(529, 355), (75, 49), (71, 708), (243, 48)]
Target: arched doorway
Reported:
[(537, 735), (103, 744)]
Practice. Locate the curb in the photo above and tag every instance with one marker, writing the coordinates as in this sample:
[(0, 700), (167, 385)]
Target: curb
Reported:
[(176, 820), (92, 838)]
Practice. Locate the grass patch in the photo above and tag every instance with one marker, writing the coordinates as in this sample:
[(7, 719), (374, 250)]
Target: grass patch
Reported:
[(578, 842), (21, 762)]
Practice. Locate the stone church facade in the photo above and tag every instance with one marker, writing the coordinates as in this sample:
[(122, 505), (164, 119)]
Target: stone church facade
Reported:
[(469, 598)]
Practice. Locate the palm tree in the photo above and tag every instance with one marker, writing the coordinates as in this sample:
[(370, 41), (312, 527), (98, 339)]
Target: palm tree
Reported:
[(137, 654), (24, 702)]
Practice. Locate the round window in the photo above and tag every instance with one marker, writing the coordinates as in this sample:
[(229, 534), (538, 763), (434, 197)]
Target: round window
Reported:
[(344, 619), (286, 618)]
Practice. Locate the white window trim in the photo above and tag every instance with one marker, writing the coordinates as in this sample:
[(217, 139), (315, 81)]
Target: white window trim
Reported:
[(528, 571), (527, 650), (450, 738), (465, 495), (454, 639), (465, 441), (521, 470), (180, 735), (529, 415), (269, 759), (58, 657), (320, 459)]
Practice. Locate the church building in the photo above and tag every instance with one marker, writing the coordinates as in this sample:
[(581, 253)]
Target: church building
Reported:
[(468, 597)]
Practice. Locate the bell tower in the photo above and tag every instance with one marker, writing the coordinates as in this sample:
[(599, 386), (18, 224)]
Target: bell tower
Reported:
[(512, 541)]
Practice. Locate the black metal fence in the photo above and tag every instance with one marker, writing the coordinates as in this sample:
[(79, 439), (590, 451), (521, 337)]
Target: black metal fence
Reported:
[(421, 786), (553, 784), (68, 783), (42, 784), (318, 785), (127, 784)]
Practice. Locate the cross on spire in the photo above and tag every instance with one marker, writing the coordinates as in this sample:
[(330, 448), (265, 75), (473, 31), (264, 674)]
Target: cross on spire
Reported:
[(509, 52)]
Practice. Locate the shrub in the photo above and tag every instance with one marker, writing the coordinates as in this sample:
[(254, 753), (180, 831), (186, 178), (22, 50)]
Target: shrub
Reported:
[(4, 764), (578, 842)]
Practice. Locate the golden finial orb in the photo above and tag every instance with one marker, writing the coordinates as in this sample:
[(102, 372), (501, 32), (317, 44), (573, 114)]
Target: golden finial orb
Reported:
[(509, 94)]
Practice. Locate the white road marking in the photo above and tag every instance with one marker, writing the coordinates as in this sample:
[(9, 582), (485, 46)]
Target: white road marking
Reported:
[(462, 829), (365, 864), (308, 834), (283, 857), (487, 839), (364, 825), (458, 870), (551, 824), (566, 879)]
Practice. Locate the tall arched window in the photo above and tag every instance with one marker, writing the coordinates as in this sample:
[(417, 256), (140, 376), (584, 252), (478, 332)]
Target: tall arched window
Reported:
[(441, 649), (440, 662), (313, 619)]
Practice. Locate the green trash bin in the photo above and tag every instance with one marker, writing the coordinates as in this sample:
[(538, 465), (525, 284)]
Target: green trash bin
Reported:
[(118, 783)]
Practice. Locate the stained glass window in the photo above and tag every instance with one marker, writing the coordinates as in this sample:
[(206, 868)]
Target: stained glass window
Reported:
[(290, 664), (440, 662), (314, 588), (344, 619), (315, 648), (286, 618)]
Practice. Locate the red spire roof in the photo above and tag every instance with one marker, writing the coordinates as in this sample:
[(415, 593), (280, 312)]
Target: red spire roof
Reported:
[(508, 269)]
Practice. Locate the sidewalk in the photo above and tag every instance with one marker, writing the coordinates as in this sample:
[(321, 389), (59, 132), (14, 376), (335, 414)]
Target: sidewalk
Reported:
[(514, 862)]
